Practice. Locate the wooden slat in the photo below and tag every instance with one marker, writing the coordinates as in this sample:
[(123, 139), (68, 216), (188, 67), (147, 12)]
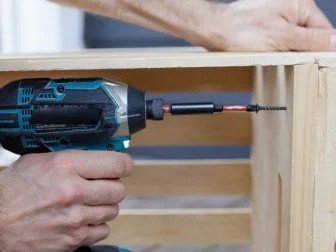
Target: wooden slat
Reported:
[(218, 129), (315, 148), (180, 226), (271, 161), (157, 80), (190, 177), (149, 58)]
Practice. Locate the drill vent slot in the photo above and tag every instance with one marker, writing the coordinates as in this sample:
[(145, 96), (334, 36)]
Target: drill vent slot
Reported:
[(28, 127), (46, 96), (51, 139), (25, 95), (30, 142), (26, 119), (26, 112)]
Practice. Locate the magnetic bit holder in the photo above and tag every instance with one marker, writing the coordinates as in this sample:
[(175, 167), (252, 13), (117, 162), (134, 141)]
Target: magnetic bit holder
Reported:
[(209, 108)]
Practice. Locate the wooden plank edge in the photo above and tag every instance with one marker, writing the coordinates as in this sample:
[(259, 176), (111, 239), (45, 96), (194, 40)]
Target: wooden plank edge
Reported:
[(186, 211), (152, 59), (189, 177), (180, 226), (139, 162)]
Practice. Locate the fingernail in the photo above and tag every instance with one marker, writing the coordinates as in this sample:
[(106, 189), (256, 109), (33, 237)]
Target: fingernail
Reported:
[(333, 40)]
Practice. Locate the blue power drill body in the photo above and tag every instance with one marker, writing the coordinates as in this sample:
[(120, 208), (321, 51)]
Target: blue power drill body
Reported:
[(43, 115)]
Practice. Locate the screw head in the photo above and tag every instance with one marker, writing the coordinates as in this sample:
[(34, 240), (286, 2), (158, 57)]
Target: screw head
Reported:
[(110, 147), (60, 88)]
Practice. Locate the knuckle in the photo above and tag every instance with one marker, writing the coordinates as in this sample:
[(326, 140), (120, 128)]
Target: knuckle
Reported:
[(109, 214), (310, 36), (106, 232), (293, 38), (62, 163), (79, 237), (114, 212), (68, 195), (75, 221), (123, 165), (118, 166), (55, 162), (129, 164), (282, 38), (119, 192)]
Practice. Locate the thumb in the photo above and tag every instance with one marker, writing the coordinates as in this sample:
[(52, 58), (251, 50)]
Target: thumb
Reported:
[(318, 19), (313, 39)]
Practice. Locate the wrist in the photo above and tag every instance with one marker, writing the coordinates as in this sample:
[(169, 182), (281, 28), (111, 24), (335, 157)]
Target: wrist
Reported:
[(3, 212), (2, 223), (195, 21), (201, 23), (191, 20), (215, 28)]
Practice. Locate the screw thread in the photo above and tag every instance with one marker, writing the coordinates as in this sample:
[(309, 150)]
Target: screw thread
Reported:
[(272, 108)]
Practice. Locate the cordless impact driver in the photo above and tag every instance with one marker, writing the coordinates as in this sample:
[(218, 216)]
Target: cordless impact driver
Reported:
[(44, 115)]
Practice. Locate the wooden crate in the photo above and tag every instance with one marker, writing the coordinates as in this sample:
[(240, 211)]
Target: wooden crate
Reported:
[(291, 175)]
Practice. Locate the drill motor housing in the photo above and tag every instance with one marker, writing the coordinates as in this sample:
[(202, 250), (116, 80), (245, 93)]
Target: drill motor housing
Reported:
[(43, 115)]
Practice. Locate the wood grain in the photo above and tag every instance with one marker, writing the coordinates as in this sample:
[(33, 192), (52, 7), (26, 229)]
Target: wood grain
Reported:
[(149, 58), (320, 161), (201, 79), (218, 129), (180, 226), (305, 105), (189, 177), (293, 166), (271, 161)]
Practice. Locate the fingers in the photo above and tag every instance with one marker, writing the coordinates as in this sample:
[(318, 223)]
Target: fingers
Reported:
[(96, 234), (312, 39), (102, 192), (96, 215), (109, 165), (86, 225), (317, 19), (78, 216), (87, 235), (96, 164)]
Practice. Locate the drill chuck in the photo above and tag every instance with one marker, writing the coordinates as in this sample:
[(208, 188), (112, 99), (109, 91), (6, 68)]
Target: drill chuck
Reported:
[(154, 109)]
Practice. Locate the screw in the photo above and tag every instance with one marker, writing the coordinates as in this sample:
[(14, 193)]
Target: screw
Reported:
[(110, 147), (256, 108), (60, 88)]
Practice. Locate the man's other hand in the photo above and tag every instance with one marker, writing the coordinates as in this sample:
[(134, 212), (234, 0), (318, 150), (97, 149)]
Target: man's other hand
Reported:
[(60, 201)]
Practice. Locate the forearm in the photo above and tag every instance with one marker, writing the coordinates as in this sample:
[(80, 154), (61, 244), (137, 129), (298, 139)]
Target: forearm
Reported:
[(187, 19)]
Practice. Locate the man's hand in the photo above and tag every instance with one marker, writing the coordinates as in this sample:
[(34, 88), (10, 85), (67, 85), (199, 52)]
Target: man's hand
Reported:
[(60, 201), (245, 25), (268, 25)]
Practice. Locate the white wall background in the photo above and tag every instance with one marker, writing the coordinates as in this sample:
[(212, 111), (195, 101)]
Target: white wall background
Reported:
[(37, 26), (28, 26)]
